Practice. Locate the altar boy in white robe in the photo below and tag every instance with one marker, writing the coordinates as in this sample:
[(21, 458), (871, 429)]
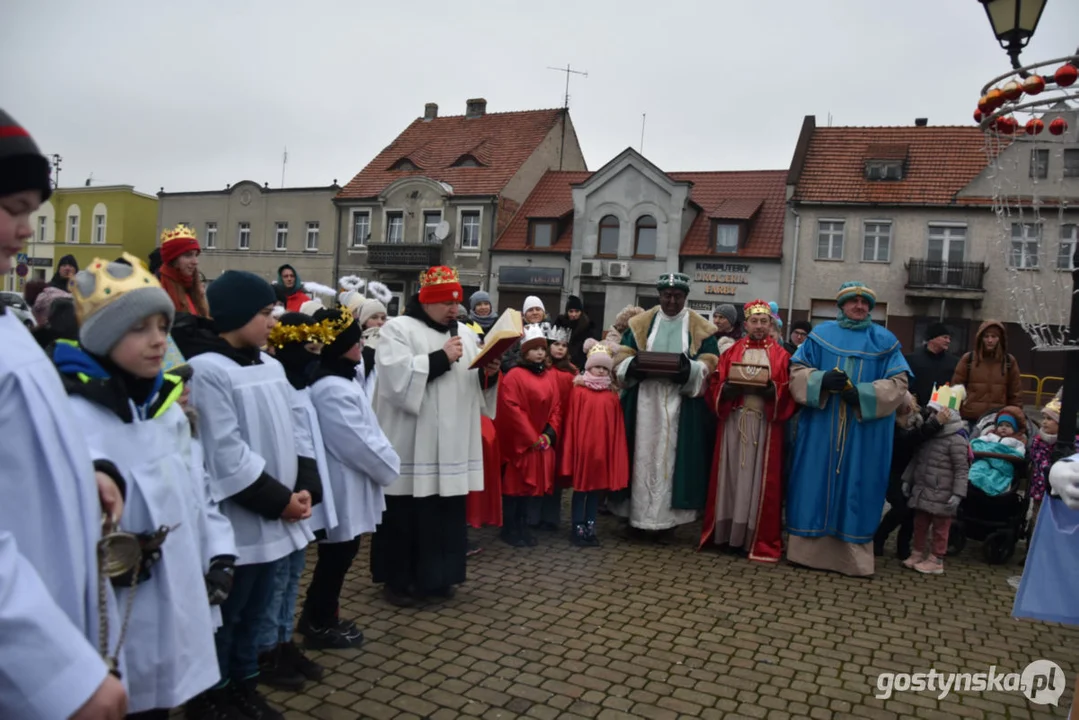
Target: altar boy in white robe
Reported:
[(361, 462), (128, 413), (245, 422), (50, 521), (429, 402)]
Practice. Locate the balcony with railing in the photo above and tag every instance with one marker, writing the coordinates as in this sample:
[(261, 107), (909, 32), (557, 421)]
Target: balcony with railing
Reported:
[(942, 279), (404, 255)]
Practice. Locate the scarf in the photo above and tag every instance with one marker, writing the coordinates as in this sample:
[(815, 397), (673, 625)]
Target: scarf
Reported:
[(486, 321), (847, 324), (593, 382), (182, 302)]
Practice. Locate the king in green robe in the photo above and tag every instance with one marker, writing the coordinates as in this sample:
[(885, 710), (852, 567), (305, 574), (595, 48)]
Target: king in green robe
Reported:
[(670, 433)]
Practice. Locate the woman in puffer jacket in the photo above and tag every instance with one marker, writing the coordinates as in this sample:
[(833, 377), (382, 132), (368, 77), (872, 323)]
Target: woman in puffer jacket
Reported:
[(989, 373), (936, 482)]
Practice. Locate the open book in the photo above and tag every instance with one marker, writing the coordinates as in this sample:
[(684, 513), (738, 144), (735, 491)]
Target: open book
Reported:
[(506, 331)]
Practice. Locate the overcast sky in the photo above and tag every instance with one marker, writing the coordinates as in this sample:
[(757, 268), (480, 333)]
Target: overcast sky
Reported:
[(196, 94)]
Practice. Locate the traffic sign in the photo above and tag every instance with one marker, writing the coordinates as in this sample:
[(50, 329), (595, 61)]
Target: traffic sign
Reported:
[(22, 258), (22, 270)]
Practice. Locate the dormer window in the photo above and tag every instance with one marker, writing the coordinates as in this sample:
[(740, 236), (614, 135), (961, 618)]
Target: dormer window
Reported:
[(727, 235), (467, 161), (542, 233), (404, 165), (884, 170)]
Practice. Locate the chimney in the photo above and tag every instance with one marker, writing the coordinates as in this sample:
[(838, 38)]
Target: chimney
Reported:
[(430, 112), (921, 122), (476, 107)]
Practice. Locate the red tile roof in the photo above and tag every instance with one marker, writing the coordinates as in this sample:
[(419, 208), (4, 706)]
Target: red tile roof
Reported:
[(759, 195), (500, 142), (941, 161)]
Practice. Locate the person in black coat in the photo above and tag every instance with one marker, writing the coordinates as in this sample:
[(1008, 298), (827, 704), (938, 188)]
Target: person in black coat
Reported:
[(932, 364), (581, 328), (65, 270), (913, 426)]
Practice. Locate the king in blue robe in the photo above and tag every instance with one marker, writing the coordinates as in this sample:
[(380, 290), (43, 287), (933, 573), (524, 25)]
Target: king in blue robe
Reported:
[(851, 376)]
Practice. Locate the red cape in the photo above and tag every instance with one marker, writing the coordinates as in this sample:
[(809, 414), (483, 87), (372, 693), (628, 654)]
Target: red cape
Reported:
[(527, 404), (594, 451), (563, 382), (767, 544), (484, 507)]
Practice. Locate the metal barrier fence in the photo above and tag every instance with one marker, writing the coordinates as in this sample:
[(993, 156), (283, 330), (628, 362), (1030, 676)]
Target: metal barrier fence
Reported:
[(1035, 391)]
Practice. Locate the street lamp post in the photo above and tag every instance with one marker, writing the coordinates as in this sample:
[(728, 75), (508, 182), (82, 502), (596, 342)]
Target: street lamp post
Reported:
[(1014, 22)]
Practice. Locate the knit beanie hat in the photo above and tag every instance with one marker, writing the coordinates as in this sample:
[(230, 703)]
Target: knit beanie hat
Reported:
[(22, 166), (574, 303), (369, 309), (68, 260), (1052, 410), (237, 296), (177, 242), (598, 355), (532, 302), (478, 297), (32, 289), (935, 330), (1014, 416), (728, 311), (803, 325), (111, 297), (43, 302), (345, 339)]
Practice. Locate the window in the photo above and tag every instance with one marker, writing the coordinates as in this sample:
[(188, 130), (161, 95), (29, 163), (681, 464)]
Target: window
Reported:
[(645, 242), (1069, 238), (281, 237), (877, 242), (395, 228), (1025, 240), (543, 233), (431, 220), (830, 239), (467, 161), (404, 164), (99, 229), (73, 228), (42, 228), (470, 230), (884, 170), (211, 235), (361, 228), (1071, 163), (311, 244), (608, 236), (244, 239), (727, 237), (1039, 164)]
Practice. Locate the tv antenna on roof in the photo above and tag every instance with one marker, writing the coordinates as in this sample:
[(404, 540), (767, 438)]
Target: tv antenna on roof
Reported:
[(569, 71)]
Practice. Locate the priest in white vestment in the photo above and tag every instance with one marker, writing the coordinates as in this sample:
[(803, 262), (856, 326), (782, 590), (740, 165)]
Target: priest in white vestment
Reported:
[(429, 403)]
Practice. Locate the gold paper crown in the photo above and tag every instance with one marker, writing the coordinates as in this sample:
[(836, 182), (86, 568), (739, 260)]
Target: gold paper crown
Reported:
[(600, 347), (179, 232), (108, 287), (439, 275), (324, 332), (757, 307), (1052, 406)]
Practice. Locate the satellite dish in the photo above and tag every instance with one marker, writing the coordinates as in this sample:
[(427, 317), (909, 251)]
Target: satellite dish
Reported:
[(442, 231)]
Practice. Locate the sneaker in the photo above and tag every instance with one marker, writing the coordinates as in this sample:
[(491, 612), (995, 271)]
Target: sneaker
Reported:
[(293, 655), (276, 671), (329, 638), (930, 566), (912, 560), (473, 550), (246, 699), (579, 536), (590, 534), (212, 705)]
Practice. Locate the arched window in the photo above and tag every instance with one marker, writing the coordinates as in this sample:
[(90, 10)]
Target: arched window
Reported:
[(645, 241), (608, 236), (99, 229), (72, 224)]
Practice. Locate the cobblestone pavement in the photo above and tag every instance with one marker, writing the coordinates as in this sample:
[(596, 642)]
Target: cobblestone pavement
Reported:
[(638, 629)]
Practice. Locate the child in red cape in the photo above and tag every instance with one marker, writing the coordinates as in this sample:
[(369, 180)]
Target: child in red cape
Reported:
[(594, 450)]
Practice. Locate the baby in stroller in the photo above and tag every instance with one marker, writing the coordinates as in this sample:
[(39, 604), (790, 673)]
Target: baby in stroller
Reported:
[(999, 451)]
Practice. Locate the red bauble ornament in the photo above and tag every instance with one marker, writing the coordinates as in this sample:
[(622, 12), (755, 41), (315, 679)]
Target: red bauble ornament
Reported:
[(995, 98), (1065, 75), (983, 105), (1034, 126), (1058, 126), (1006, 125), (1012, 90), (978, 115), (1033, 84)]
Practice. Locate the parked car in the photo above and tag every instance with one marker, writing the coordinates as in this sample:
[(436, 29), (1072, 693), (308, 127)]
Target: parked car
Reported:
[(14, 301)]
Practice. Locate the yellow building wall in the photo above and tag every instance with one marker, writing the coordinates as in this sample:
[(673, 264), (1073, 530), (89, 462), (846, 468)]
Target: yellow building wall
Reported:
[(130, 224)]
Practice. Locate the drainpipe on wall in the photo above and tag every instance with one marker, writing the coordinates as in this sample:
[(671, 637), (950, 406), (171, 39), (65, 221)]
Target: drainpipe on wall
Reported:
[(337, 247), (485, 261), (794, 267)]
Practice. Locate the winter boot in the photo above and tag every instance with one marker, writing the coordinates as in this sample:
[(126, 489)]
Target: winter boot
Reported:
[(294, 656), (332, 637), (245, 698), (276, 671), (579, 535), (590, 534)]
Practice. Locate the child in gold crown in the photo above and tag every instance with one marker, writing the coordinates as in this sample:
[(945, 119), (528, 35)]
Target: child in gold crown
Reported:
[(129, 415)]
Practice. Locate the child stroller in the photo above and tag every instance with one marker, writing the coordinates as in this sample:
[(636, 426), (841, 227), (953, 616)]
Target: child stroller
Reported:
[(999, 522)]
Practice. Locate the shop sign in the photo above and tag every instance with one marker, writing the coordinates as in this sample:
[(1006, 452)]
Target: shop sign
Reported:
[(538, 276), (721, 278)]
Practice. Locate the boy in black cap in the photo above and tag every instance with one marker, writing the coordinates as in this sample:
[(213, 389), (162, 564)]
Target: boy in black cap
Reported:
[(932, 364)]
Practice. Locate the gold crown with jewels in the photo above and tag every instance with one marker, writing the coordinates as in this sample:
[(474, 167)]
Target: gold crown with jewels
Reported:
[(440, 275), (756, 307), (109, 287), (177, 233)]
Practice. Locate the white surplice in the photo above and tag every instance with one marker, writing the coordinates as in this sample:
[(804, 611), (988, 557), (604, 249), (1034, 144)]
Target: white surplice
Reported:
[(215, 530), (360, 458), (245, 425), (435, 428), (309, 443), (50, 522), (169, 651)]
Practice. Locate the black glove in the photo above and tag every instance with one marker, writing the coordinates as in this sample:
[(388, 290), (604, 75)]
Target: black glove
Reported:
[(730, 391), (219, 579), (850, 396), (833, 381), (684, 368), (768, 392)]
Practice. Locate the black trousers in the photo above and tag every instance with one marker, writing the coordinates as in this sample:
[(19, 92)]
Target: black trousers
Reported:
[(421, 544), (324, 592), (149, 715), (898, 516)]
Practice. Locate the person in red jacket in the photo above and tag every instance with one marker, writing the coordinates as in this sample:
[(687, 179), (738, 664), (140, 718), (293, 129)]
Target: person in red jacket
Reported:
[(179, 271), (526, 421), (593, 448), (547, 513), (289, 280)]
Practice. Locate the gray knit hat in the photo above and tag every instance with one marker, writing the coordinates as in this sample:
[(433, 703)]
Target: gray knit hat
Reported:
[(22, 166), (729, 312), (127, 295)]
